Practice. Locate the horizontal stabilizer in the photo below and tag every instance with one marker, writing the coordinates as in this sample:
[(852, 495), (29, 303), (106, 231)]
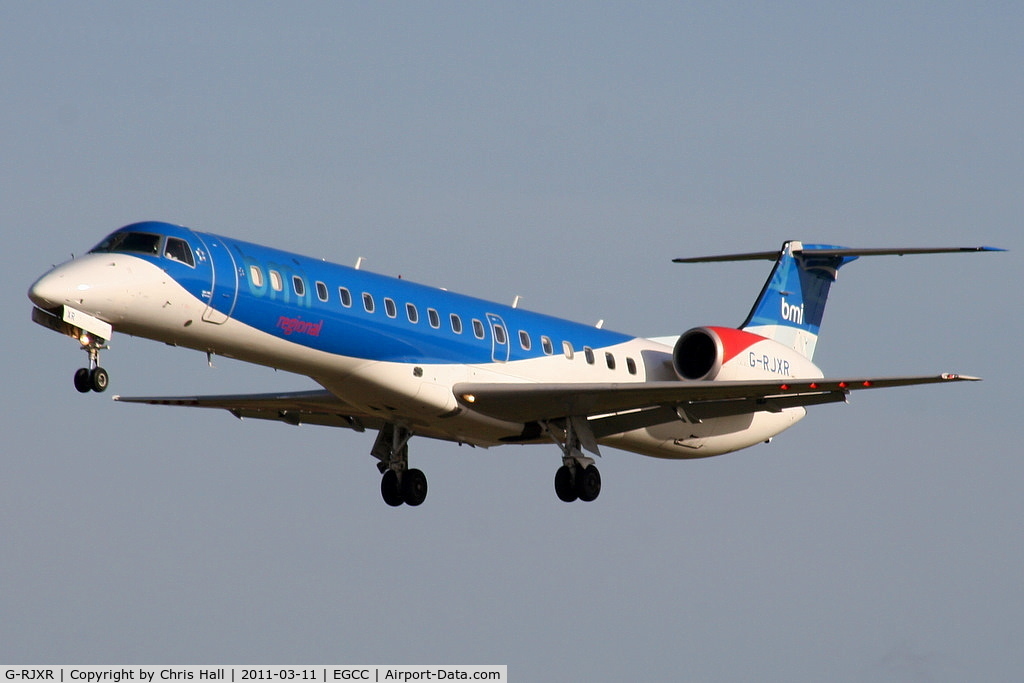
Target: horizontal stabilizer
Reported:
[(830, 251)]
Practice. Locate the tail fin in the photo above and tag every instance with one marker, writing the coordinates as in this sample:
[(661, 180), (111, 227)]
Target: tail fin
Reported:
[(792, 301)]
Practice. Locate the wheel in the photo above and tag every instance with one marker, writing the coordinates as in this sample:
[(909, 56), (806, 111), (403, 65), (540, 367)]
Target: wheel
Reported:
[(564, 488), (414, 487), (390, 491), (588, 483), (100, 380), (83, 382)]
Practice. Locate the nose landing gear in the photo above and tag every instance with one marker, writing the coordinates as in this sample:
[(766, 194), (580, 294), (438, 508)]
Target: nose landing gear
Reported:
[(89, 331), (92, 378)]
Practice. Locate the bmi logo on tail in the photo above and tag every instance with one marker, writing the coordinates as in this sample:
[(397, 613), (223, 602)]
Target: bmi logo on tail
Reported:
[(793, 313)]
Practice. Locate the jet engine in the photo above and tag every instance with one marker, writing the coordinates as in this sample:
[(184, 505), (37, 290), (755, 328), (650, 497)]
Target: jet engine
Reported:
[(698, 354)]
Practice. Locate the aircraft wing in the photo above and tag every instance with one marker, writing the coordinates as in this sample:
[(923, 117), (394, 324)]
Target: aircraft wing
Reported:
[(610, 408), (301, 407), (648, 401)]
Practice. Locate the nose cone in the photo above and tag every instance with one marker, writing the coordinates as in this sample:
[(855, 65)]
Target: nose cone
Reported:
[(51, 290), (87, 281), (102, 285)]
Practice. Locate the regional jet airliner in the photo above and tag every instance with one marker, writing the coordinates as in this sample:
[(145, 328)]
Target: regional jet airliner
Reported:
[(403, 359)]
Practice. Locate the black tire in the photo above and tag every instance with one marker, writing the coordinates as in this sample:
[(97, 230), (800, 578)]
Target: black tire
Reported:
[(565, 488), (390, 490), (99, 380), (414, 487), (83, 380), (588, 483)]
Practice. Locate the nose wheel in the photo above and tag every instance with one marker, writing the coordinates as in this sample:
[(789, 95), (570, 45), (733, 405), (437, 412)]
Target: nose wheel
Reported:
[(87, 380), (92, 378)]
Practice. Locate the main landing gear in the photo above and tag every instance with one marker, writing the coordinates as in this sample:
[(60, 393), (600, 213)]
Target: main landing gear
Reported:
[(400, 484), (578, 478), (92, 378)]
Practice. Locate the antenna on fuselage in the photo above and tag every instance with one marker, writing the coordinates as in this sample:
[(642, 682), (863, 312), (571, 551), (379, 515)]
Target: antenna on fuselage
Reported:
[(359, 262)]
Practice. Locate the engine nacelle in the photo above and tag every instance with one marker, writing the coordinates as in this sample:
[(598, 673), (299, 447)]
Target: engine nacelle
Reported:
[(725, 353), (698, 354)]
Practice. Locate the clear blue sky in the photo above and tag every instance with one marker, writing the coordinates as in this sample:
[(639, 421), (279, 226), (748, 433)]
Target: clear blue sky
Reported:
[(563, 153)]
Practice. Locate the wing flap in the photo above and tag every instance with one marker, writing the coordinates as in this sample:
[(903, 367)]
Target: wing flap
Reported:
[(701, 399), (301, 407)]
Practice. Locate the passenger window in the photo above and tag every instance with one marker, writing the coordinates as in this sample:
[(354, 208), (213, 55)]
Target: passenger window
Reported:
[(499, 335), (456, 323), (545, 343), (434, 318), (588, 353), (524, 340), (610, 360), (275, 281), (478, 329), (389, 307), (299, 285), (412, 313), (178, 250), (345, 296), (631, 366), (568, 350), (321, 291), (368, 302), (256, 275)]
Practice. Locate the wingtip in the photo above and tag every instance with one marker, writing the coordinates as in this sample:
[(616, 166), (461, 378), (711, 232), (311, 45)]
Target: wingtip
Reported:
[(954, 377)]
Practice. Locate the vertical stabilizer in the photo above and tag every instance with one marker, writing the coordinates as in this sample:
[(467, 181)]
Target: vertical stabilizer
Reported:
[(792, 302)]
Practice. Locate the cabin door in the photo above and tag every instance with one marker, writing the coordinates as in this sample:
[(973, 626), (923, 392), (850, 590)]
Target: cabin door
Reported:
[(499, 338), (223, 292)]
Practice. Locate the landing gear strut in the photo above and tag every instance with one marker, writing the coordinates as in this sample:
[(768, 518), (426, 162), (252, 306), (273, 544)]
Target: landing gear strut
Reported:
[(92, 378), (400, 484), (578, 478)]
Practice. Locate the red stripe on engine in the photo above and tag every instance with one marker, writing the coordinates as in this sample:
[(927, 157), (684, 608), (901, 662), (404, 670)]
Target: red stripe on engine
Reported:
[(735, 341)]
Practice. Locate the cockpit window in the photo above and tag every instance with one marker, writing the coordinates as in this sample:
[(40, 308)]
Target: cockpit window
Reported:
[(133, 242), (178, 250)]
